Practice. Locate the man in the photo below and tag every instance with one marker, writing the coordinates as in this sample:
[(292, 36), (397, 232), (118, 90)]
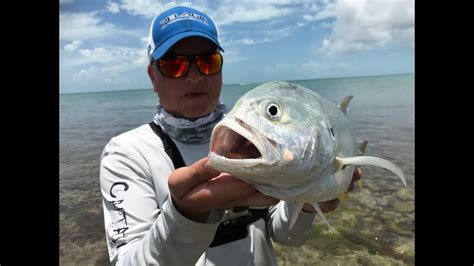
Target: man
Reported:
[(157, 213)]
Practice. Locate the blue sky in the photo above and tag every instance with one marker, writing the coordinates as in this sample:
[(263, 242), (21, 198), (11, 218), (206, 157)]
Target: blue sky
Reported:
[(103, 43)]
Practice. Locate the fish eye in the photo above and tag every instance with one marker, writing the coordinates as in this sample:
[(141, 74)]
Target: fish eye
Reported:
[(273, 110)]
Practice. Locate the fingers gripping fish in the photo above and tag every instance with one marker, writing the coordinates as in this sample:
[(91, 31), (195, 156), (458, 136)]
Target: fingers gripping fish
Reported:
[(292, 144)]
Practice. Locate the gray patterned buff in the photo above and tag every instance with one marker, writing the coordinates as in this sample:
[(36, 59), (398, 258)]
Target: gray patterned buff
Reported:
[(184, 130)]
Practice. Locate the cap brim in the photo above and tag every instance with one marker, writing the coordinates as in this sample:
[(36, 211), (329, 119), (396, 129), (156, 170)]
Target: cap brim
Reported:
[(160, 51)]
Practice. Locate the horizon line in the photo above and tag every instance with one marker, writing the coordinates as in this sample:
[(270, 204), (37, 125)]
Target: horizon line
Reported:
[(246, 83)]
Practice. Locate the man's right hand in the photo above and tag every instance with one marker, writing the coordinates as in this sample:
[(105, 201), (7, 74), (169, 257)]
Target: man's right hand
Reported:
[(199, 188)]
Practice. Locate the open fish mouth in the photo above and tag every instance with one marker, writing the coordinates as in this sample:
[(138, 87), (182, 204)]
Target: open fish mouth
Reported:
[(233, 142), (234, 146)]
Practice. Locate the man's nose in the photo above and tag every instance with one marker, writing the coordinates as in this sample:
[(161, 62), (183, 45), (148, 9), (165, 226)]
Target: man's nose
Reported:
[(193, 75)]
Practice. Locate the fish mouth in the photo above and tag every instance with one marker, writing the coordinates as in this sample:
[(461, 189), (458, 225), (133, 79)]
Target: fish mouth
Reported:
[(235, 143)]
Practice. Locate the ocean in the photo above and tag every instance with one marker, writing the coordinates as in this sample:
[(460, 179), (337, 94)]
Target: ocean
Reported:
[(374, 226)]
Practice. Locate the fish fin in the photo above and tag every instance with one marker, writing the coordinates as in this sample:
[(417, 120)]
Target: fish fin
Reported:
[(345, 103), (321, 214), (296, 212), (374, 161), (344, 197), (362, 147)]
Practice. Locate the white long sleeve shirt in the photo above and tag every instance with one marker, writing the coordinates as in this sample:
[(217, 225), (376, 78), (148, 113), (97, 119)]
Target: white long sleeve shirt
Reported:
[(143, 226)]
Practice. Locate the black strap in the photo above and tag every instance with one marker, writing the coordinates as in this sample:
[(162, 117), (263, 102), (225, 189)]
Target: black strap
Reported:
[(229, 230), (237, 228), (169, 145)]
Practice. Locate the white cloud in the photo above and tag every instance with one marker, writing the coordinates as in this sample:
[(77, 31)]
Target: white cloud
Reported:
[(150, 8), (230, 12), (106, 56), (120, 67), (310, 65), (370, 24), (106, 75), (97, 53), (71, 47), (280, 33), (325, 43), (88, 26), (279, 18), (84, 73), (246, 41), (113, 7), (325, 25), (320, 12), (224, 12), (271, 35), (82, 26), (90, 73), (87, 53), (359, 25), (234, 56)]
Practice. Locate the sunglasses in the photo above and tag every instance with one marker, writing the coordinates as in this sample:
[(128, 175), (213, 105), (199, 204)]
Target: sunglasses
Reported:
[(178, 66)]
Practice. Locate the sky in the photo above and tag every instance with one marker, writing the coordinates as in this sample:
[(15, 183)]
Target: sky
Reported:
[(102, 43)]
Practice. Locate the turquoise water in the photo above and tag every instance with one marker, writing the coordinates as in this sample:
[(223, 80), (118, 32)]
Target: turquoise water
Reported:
[(376, 226)]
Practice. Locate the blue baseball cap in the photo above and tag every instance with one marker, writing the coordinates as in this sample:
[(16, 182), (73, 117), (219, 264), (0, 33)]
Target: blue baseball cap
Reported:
[(175, 24)]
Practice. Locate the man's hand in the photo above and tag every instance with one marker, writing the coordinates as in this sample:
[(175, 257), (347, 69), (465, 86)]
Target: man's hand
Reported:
[(199, 188), (331, 205)]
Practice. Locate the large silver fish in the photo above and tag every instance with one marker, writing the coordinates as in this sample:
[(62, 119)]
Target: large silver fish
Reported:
[(292, 144)]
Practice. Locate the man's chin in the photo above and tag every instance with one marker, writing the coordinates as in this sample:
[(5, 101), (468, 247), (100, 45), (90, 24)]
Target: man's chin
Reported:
[(196, 113), (198, 108)]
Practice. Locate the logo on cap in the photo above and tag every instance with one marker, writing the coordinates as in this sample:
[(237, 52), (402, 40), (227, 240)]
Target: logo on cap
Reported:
[(186, 15)]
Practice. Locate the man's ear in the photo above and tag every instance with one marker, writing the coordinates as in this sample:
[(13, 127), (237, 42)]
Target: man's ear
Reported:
[(151, 72)]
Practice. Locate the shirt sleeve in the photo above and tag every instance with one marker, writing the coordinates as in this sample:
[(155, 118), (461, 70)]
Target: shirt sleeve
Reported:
[(142, 225), (279, 223)]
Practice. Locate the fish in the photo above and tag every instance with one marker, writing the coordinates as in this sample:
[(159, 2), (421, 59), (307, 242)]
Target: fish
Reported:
[(292, 144)]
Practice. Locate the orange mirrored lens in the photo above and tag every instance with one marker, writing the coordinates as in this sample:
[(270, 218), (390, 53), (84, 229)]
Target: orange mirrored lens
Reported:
[(209, 64), (174, 67)]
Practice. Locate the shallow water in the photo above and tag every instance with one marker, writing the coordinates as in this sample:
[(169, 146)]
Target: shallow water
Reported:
[(374, 227)]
